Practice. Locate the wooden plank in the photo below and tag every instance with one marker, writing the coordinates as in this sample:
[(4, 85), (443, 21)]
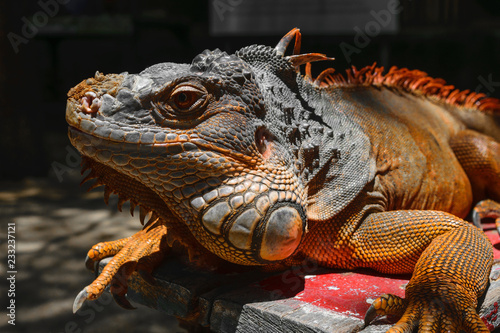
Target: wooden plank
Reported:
[(291, 315), (296, 300), (489, 312)]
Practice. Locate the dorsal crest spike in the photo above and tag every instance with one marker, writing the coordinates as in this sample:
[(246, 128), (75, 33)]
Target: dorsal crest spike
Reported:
[(285, 41), (301, 59), (308, 74), (323, 76), (413, 81)]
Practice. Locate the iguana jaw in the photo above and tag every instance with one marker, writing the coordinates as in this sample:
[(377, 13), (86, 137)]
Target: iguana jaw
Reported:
[(261, 218), (238, 199), (151, 207)]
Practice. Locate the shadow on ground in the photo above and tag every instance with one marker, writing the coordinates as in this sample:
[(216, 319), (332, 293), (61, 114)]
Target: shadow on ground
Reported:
[(56, 223)]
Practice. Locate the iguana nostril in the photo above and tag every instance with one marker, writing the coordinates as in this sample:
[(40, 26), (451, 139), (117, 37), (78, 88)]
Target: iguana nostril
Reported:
[(90, 103), (282, 235)]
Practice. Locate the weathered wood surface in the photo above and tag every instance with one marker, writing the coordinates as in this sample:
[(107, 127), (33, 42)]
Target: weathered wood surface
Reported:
[(304, 299)]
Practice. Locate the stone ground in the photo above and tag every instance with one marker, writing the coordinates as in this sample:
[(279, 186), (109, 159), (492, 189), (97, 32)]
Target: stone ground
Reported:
[(56, 223)]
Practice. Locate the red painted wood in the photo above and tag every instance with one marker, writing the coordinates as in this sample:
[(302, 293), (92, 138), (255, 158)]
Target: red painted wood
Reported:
[(346, 292), (492, 234)]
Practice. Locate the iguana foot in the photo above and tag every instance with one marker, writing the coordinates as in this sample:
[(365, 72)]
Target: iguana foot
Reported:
[(430, 306), (486, 209), (386, 305), (142, 252)]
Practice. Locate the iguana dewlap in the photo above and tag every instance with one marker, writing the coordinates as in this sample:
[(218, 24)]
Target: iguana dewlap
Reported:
[(242, 159)]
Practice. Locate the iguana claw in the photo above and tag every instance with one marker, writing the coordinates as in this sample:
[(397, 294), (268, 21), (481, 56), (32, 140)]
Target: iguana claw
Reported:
[(80, 299), (90, 264), (370, 315), (385, 305)]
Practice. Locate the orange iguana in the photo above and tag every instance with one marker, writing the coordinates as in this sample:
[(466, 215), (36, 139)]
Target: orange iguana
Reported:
[(240, 158)]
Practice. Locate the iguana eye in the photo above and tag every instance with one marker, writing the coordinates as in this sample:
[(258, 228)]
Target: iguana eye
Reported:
[(187, 97)]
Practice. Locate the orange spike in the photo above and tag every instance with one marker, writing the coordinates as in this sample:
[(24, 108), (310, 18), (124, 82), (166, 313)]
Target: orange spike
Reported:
[(283, 43), (323, 75), (474, 98), (489, 104), (462, 96), (378, 76), (415, 81), (121, 201), (445, 91), (133, 204), (308, 75), (298, 42), (301, 59), (453, 96), (349, 73), (419, 83), (95, 185), (91, 175), (107, 192)]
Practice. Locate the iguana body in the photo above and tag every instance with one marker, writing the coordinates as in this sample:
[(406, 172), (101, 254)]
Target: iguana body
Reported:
[(241, 157)]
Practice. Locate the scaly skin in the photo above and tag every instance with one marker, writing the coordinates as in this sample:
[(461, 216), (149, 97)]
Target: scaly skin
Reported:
[(239, 158)]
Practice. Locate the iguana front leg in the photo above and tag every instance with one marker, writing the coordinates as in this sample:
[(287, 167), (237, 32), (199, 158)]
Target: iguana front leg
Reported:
[(452, 260), (142, 251)]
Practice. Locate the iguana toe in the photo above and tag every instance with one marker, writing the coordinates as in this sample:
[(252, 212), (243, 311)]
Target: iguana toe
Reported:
[(385, 305), (439, 306), (103, 250)]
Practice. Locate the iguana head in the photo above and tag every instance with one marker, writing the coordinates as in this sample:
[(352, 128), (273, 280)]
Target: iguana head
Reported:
[(209, 142)]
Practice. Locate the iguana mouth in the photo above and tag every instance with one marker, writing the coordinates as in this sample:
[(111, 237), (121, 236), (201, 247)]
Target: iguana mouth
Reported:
[(151, 206), (84, 113)]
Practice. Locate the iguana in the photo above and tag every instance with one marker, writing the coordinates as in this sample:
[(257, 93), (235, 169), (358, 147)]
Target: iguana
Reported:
[(242, 158)]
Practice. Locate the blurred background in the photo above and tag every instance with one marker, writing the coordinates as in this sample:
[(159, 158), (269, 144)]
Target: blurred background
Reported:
[(457, 40), (48, 46)]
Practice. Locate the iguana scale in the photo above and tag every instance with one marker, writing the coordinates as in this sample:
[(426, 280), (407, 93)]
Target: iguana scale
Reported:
[(241, 158)]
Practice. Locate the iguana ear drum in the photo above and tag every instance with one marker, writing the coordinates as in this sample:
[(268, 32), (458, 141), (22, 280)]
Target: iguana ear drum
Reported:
[(282, 233), (261, 233)]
